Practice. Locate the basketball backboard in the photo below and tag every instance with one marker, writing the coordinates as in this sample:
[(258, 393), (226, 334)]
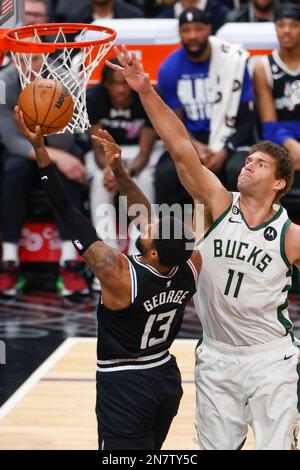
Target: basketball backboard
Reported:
[(11, 13)]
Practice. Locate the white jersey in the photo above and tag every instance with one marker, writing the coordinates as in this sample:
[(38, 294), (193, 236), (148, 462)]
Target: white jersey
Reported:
[(242, 289)]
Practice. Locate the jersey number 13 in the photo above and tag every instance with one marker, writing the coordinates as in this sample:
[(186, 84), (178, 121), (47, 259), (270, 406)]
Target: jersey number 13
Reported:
[(148, 341)]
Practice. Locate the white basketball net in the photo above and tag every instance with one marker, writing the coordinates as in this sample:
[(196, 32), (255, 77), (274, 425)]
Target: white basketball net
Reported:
[(72, 71)]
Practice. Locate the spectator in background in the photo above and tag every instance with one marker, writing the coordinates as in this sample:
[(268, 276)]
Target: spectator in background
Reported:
[(68, 11), (253, 11), (36, 12), (114, 107), (85, 11), (19, 173), (206, 82), (277, 86), (115, 9), (215, 8)]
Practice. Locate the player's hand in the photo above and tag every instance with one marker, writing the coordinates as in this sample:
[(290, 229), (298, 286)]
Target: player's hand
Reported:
[(109, 180), (131, 69), (111, 149), (35, 138)]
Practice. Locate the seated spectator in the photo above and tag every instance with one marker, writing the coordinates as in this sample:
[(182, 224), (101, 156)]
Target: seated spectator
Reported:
[(115, 9), (217, 10), (277, 86), (206, 82), (85, 11), (153, 7), (113, 106), (36, 12), (19, 172), (253, 12)]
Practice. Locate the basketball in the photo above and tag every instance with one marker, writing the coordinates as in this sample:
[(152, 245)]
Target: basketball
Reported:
[(48, 104)]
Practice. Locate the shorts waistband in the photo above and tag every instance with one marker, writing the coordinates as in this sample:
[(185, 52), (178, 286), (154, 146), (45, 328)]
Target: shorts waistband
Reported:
[(146, 362), (230, 349)]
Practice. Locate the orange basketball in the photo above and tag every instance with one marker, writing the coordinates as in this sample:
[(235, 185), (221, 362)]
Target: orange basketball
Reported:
[(46, 103)]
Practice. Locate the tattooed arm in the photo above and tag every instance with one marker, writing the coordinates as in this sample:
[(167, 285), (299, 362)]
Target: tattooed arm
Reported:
[(139, 207)]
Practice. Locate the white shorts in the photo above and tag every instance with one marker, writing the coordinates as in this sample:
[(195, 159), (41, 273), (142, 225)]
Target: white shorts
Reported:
[(256, 385)]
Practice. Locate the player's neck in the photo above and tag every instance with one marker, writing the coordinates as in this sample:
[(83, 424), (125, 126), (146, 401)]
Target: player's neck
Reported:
[(291, 57), (256, 211), (155, 264)]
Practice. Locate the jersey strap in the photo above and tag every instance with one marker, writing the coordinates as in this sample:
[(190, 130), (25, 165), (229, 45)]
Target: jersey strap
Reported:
[(133, 279), (194, 270)]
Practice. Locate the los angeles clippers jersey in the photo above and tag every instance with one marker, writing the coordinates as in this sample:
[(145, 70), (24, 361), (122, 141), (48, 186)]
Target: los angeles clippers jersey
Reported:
[(285, 85), (139, 336), (242, 288)]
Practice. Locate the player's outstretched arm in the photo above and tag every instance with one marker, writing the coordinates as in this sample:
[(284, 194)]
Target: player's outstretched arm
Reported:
[(136, 199), (202, 184), (106, 263)]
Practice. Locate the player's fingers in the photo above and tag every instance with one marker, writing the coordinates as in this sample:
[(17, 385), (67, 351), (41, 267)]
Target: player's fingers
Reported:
[(109, 137), (114, 66), (16, 113), (96, 138), (122, 55), (20, 121), (38, 131), (125, 52), (136, 62)]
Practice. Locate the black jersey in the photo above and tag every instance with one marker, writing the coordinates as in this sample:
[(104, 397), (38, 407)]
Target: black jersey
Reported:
[(285, 84), (124, 125), (139, 336)]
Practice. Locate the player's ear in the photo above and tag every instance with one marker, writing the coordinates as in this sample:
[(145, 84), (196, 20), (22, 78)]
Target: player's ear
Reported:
[(280, 184), (154, 254)]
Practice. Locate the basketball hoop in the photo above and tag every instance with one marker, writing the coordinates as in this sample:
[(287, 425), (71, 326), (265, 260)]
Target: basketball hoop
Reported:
[(57, 56)]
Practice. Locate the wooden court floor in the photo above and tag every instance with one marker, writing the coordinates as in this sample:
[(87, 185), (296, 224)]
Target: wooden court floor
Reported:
[(54, 408)]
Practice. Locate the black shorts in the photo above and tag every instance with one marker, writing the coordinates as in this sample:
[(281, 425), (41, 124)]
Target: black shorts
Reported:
[(135, 408)]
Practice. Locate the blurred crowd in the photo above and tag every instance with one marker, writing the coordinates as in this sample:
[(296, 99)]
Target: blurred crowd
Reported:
[(225, 106)]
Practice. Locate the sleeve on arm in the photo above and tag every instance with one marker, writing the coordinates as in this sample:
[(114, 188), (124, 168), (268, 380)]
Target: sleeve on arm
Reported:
[(80, 231)]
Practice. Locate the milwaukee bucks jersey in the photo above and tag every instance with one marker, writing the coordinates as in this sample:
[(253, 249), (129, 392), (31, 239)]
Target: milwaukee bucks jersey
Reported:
[(242, 289)]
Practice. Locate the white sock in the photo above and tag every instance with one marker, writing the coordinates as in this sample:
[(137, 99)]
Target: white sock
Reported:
[(10, 252), (68, 252)]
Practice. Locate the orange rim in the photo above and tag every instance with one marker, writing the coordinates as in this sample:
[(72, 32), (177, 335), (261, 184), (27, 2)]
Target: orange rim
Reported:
[(10, 43)]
